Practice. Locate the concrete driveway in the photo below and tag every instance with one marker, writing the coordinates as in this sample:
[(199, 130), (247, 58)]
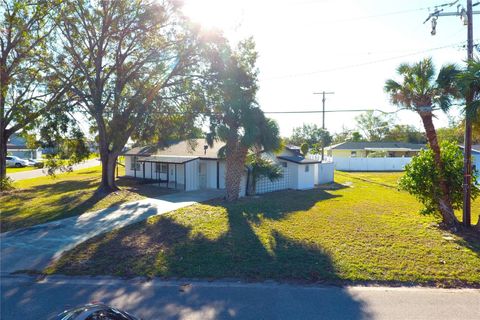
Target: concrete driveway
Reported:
[(40, 172), (35, 247)]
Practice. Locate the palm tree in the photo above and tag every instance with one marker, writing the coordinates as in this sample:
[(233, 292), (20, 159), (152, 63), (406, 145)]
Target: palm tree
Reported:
[(468, 82), (421, 92), (236, 117), (260, 167)]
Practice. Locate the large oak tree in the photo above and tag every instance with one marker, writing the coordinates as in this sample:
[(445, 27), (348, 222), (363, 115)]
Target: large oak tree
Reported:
[(134, 65), (28, 88)]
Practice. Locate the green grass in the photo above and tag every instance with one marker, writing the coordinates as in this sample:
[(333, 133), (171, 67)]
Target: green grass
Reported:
[(45, 199), (357, 231), (13, 170)]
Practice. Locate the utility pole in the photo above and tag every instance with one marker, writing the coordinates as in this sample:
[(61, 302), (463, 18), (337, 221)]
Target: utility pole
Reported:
[(466, 15), (467, 160), (323, 93)]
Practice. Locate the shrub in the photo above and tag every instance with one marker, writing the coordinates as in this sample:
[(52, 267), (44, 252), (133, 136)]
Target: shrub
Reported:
[(421, 178), (6, 184)]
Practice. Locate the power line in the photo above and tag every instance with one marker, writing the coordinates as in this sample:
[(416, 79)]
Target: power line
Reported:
[(329, 111), (365, 63)]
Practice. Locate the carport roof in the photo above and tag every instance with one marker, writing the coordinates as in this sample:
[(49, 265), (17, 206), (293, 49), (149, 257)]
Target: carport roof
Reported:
[(166, 159)]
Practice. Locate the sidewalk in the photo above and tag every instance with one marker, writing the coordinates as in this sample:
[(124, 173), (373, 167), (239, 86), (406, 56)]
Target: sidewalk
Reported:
[(40, 173), (24, 298)]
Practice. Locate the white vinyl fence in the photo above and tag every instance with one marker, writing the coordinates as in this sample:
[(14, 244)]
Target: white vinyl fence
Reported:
[(371, 164)]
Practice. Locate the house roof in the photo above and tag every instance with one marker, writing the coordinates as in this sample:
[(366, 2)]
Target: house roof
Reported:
[(298, 159), (166, 159), (365, 145), (186, 148)]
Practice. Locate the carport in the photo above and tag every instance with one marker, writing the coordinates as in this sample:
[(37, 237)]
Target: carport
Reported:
[(170, 171)]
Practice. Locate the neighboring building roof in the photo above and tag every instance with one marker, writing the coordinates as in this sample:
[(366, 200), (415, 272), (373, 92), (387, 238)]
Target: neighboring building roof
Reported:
[(475, 148), (186, 148), (298, 159), (365, 145), (296, 150), (17, 147)]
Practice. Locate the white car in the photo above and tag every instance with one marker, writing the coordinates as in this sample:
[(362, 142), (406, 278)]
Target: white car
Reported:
[(16, 162)]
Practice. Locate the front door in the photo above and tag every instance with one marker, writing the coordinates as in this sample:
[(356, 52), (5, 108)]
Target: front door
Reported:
[(202, 173)]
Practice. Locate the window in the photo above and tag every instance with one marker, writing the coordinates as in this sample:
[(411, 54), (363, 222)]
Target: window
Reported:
[(284, 164), (161, 167), (353, 154), (307, 168), (134, 164)]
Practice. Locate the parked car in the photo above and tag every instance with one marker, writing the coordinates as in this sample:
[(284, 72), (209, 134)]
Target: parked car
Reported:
[(35, 163), (94, 311), (16, 162)]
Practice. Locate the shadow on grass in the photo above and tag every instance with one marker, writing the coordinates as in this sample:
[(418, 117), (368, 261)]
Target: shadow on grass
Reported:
[(470, 239), (167, 248), (68, 198)]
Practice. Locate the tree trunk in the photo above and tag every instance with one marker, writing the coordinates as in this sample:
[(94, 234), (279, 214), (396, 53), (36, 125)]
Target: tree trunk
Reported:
[(3, 155), (107, 183), (235, 167), (444, 201), (251, 184)]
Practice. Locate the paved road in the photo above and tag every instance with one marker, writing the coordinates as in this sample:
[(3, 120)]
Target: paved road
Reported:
[(24, 298), (40, 173), (33, 248)]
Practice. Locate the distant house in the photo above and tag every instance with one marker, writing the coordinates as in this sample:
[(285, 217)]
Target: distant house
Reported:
[(475, 156), (372, 156), (193, 165), (16, 146)]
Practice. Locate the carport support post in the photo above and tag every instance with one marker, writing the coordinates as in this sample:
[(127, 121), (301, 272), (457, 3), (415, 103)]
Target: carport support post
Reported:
[(185, 176), (135, 167), (143, 166), (175, 176), (168, 175)]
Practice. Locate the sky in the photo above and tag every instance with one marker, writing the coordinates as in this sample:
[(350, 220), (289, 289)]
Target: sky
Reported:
[(348, 47)]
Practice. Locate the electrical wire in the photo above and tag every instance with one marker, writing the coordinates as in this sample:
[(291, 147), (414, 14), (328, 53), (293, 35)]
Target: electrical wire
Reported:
[(458, 44)]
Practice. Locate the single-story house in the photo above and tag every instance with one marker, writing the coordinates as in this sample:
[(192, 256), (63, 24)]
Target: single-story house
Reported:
[(475, 156), (364, 149), (16, 146), (372, 156), (193, 165)]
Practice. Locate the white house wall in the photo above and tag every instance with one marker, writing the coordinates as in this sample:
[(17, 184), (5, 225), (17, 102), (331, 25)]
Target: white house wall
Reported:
[(222, 174), (324, 172), (191, 170), (293, 174), (305, 179), (211, 173)]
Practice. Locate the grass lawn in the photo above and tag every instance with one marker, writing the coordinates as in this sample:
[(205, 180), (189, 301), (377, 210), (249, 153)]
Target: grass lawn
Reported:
[(358, 231), (44, 199), (13, 170)]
